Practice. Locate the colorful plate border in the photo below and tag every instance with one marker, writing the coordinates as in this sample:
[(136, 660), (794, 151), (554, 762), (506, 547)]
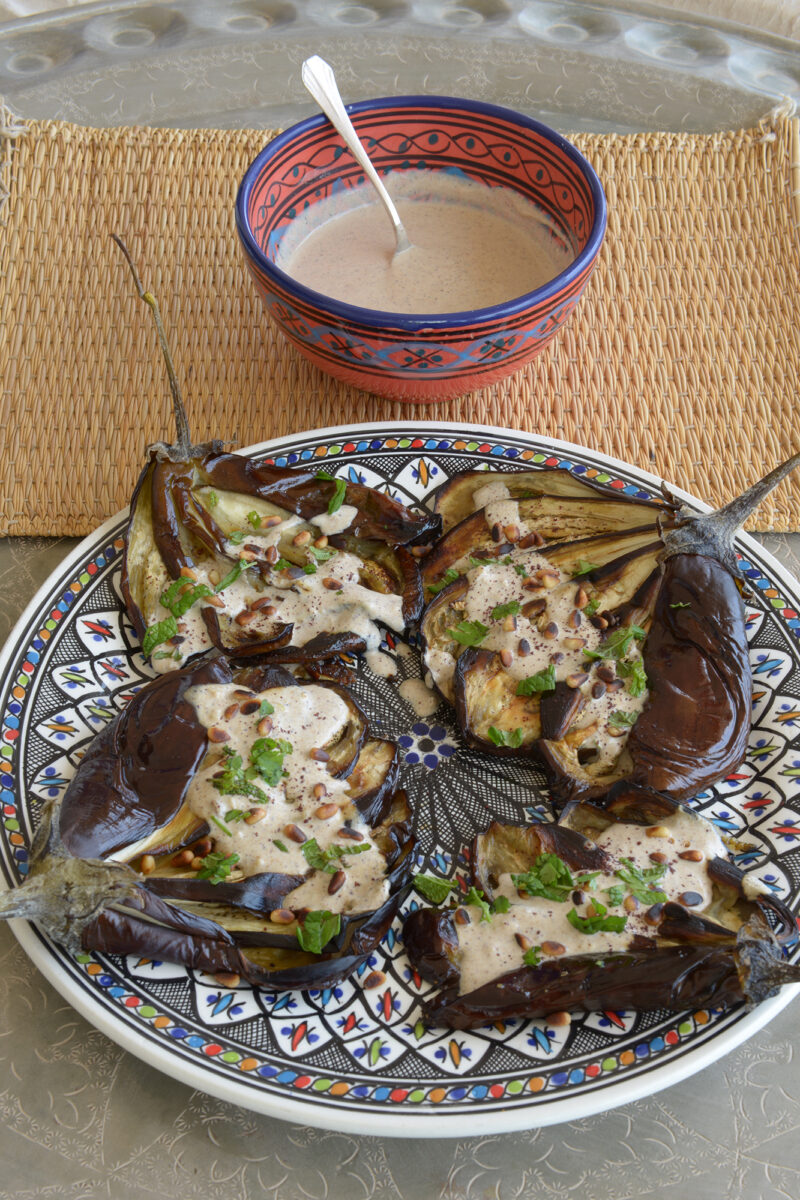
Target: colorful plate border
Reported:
[(391, 1111)]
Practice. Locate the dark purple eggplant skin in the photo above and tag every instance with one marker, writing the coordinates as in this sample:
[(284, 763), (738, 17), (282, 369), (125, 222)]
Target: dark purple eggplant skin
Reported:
[(695, 726), (135, 773)]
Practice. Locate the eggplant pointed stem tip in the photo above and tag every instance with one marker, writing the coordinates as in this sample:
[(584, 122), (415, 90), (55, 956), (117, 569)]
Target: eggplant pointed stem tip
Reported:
[(184, 442)]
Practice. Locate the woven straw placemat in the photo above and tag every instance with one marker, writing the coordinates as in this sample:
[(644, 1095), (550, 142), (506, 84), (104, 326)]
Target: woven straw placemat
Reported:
[(684, 356)]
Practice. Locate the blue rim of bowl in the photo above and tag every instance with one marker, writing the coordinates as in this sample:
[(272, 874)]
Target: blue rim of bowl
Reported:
[(417, 322)]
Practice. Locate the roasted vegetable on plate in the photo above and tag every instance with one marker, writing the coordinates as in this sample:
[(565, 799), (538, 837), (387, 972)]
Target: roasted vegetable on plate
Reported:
[(631, 903), (251, 558), (601, 634), (236, 821)]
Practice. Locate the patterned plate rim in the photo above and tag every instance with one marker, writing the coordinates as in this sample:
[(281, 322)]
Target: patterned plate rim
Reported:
[(317, 1109)]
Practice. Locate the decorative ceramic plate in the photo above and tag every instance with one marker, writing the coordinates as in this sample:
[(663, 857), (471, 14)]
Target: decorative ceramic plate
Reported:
[(351, 1057)]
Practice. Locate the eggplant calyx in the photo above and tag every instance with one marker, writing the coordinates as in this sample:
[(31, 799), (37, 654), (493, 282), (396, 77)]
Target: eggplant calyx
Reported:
[(712, 534)]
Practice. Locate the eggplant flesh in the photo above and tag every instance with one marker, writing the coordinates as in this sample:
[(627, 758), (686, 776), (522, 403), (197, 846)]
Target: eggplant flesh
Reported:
[(106, 875), (677, 957)]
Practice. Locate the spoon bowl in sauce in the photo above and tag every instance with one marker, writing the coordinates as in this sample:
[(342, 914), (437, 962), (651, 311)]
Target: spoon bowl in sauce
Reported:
[(505, 216)]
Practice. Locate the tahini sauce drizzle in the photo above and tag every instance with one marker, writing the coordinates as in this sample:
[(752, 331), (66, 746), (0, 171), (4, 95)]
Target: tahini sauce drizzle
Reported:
[(488, 949), (309, 717)]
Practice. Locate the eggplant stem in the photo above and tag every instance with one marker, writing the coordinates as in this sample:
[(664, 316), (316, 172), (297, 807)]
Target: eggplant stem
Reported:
[(732, 515), (184, 442)]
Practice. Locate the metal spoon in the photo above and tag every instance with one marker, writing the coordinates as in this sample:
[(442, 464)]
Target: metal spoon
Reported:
[(320, 81)]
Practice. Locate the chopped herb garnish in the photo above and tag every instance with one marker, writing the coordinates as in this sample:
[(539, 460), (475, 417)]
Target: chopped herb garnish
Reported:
[(254, 519), (542, 681), (506, 610), (282, 564), (217, 867), (505, 737), (234, 781), (622, 720), (237, 536), (591, 608), (182, 594), (221, 825), (176, 654), (634, 672), (616, 894), (330, 859), (551, 878), (478, 562), (681, 604), (518, 567), (322, 553), (284, 849), (238, 569), (265, 709), (584, 567), (640, 881), (309, 569), (469, 633), (267, 757), (323, 475), (337, 499), (532, 957), (317, 929), (433, 888), (450, 576), (600, 923), (162, 631), (477, 898), (212, 499), (501, 904), (618, 643)]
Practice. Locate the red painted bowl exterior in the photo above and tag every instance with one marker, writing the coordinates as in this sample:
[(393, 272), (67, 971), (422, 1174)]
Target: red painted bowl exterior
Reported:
[(408, 356)]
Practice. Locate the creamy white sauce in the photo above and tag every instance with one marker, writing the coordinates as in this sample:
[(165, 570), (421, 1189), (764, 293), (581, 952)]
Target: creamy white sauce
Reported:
[(382, 665), (488, 949), (308, 717), (337, 522), (472, 246), (422, 699)]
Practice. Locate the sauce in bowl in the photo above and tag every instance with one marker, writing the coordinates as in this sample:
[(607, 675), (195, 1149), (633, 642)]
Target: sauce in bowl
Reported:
[(472, 246)]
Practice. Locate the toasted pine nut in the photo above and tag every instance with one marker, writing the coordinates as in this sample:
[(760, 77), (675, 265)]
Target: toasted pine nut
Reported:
[(188, 573), (576, 679), (351, 835), (657, 831), (271, 555), (497, 531), (512, 533), (262, 605), (657, 857), (231, 711), (506, 658), (523, 942), (326, 811), (559, 1019), (183, 859), (462, 917), (318, 791), (374, 979), (248, 555), (574, 619), (245, 617), (216, 601), (509, 624), (554, 948), (227, 979), (271, 522), (264, 726), (606, 674), (215, 734), (196, 864), (321, 542), (550, 631), (630, 904), (281, 916), (319, 755), (653, 914), (690, 899), (203, 847), (331, 584), (574, 643), (546, 578), (691, 855), (214, 576), (250, 706), (531, 539), (581, 598), (598, 690), (534, 608), (302, 538), (254, 816), (524, 647), (616, 731), (295, 834), (147, 865), (338, 880)]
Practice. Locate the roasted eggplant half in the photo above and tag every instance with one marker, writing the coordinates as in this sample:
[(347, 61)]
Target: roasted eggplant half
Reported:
[(251, 558), (632, 905), (610, 656), (232, 820)]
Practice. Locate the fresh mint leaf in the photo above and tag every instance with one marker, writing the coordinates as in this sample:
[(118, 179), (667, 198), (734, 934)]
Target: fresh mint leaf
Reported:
[(331, 859), (238, 569), (265, 709), (266, 757), (505, 737), (616, 894), (254, 519), (337, 499), (622, 720), (542, 681), (317, 929), (433, 888), (321, 553), (550, 877), (469, 633), (618, 643), (506, 610), (584, 567), (217, 867), (162, 631), (233, 781), (532, 957), (237, 537), (634, 672), (600, 923), (450, 576), (640, 881)]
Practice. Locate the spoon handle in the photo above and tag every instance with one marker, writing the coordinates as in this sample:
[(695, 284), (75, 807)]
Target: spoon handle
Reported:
[(320, 81)]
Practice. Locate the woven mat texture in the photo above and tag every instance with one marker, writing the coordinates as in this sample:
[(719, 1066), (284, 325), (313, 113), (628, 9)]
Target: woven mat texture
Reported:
[(684, 356)]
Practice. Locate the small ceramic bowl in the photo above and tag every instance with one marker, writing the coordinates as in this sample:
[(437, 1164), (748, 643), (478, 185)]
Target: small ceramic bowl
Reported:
[(414, 356)]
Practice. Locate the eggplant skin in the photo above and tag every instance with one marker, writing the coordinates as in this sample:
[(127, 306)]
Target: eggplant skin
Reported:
[(133, 777)]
